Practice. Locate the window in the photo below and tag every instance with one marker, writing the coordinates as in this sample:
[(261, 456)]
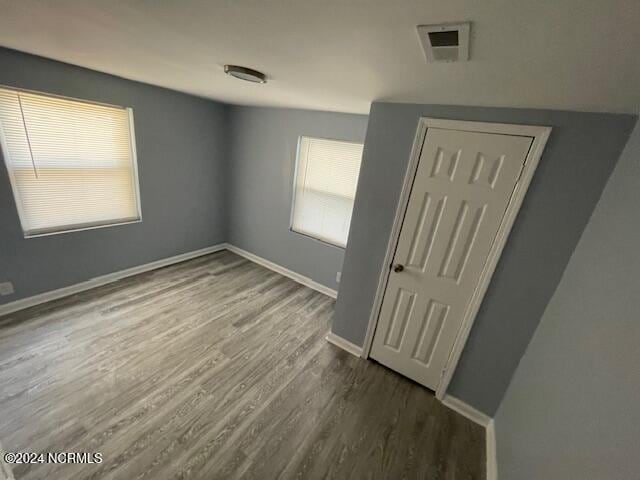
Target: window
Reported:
[(326, 182), (71, 163)]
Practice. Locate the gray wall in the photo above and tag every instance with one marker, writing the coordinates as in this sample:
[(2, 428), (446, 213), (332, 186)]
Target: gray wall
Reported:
[(263, 155), (578, 159), (572, 410), (181, 143)]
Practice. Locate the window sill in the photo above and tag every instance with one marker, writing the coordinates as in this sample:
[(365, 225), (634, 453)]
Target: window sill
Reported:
[(81, 229), (320, 240)]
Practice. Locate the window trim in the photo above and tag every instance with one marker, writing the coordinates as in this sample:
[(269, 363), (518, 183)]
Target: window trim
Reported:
[(80, 228), (62, 229), (296, 165), (317, 239)]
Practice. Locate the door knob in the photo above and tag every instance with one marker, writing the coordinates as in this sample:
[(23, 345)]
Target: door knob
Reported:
[(398, 268)]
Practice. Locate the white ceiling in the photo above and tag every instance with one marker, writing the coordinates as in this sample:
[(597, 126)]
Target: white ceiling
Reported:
[(343, 54)]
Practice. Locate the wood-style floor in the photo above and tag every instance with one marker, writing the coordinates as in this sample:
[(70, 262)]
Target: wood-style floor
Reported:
[(215, 368)]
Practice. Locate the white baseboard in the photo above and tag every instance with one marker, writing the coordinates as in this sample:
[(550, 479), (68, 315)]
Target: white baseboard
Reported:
[(483, 420), (112, 277), (466, 410), (103, 280), (346, 345), (306, 281), (492, 459)]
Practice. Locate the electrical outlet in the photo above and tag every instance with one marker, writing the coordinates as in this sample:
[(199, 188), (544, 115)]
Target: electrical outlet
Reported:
[(6, 288), (338, 276)]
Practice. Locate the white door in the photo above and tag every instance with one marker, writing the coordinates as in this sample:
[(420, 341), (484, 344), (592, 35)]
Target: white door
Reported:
[(460, 193)]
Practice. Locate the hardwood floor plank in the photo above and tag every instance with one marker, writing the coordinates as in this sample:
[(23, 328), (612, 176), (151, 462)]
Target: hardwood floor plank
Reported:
[(214, 368)]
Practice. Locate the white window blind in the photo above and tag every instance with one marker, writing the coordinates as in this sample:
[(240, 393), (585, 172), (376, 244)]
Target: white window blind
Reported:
[(326, 182), (71, 163)]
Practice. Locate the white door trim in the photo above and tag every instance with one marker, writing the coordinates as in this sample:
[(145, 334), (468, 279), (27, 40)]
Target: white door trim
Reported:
[(540, 136)]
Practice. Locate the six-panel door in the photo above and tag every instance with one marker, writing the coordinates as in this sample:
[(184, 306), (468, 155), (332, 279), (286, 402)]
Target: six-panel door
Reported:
[(462, 186)]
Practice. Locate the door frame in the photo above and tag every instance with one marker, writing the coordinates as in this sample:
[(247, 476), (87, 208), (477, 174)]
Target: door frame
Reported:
[(540, 135)]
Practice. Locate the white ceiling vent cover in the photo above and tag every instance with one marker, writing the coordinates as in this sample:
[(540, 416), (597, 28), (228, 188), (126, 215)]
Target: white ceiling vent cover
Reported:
[(445, 43)]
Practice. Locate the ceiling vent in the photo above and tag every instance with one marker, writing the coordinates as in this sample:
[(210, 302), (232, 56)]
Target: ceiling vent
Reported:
[(446, 42)]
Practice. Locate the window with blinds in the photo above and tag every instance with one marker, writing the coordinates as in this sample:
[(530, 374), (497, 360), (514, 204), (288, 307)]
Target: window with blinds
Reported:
[(71, 163), (325, 187)]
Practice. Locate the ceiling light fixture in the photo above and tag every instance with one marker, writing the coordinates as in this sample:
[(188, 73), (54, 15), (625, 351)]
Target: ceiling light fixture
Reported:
[(244, 73)]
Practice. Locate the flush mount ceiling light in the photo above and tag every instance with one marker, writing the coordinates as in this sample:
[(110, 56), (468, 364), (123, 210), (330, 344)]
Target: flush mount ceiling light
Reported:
[(244, 73)]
